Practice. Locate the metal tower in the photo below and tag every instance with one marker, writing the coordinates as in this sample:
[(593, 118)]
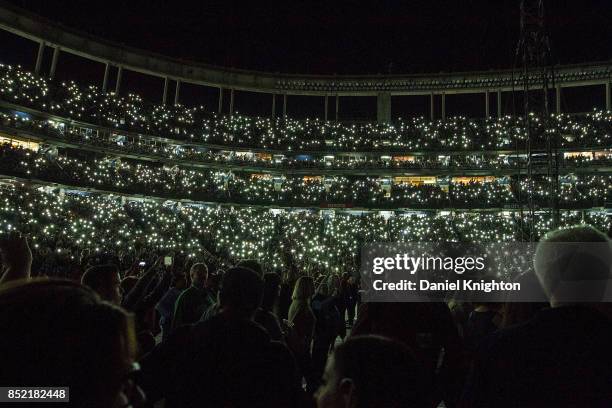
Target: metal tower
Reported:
[(537, 78)]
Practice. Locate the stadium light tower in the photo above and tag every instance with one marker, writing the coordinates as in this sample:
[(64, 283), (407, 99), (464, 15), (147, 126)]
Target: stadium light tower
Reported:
[(537, 78)]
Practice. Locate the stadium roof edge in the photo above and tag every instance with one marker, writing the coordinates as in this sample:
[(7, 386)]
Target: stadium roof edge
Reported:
[(42, 30)]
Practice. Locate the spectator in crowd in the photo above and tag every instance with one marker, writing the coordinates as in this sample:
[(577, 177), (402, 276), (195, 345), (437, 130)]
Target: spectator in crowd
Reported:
[(351, 294), (59, 333), (105, 281), (337, 288), (484, 319), (139, 285), (284, 298), (194, 300), (251, 264), (460, 312), (303, 321), (265, 315), (327, 327), (141, 300), (225, 361), (562, 356), (373, 372), (429, 331), (128, 283), (212, 285), (213, 282), (16, 258), (515, 311), (165, 306)]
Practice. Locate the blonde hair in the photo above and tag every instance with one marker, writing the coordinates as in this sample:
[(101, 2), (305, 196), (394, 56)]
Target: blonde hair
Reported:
[(304, 289), (302, 292)]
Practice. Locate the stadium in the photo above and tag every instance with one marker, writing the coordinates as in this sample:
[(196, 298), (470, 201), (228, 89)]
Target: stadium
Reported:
[(227, 173)]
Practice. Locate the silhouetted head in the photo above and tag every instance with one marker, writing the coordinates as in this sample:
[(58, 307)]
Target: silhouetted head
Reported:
[(59, 333), (198, 274), (241, 292), (304, 289), (105, 281), (253, 265), (372, 372)]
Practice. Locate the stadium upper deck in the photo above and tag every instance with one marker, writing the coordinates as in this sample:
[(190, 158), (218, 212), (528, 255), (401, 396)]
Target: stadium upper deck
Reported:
[(438, 87), (300, 158)]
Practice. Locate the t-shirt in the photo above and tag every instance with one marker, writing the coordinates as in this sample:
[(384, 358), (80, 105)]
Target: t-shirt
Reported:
[(221, 363), (560, 358), (190, 306)]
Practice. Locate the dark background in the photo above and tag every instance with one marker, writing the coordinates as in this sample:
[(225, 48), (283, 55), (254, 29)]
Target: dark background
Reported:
[(319, 37)]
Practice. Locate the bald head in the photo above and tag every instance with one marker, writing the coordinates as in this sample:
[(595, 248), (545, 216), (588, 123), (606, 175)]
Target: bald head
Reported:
[(573, 264)]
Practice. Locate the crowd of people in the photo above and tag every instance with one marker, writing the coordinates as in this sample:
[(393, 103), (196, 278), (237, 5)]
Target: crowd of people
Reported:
[(190, 334), (133, 300), (109, 141), (196, 124), (65, 226), (85, 170)]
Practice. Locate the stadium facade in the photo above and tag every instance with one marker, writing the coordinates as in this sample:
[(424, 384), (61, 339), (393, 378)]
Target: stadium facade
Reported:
[(107, 142)]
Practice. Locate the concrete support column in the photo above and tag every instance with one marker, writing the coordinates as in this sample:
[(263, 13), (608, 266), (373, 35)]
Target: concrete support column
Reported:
[(56, 51), (284, 106), (499, 107), (558, 99), (220, 100), (383, 104), (337, 106), (608, 96), (105, 80), (39, 57), (177, 92), (487, 107), (443, 105), (326, 106), (118, 84), (273, 105), (231, 110), (431, 106), (165, 94)]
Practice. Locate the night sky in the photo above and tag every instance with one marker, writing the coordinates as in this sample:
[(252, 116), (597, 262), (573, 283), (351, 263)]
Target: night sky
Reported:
[(327, 37), (343, 37)]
